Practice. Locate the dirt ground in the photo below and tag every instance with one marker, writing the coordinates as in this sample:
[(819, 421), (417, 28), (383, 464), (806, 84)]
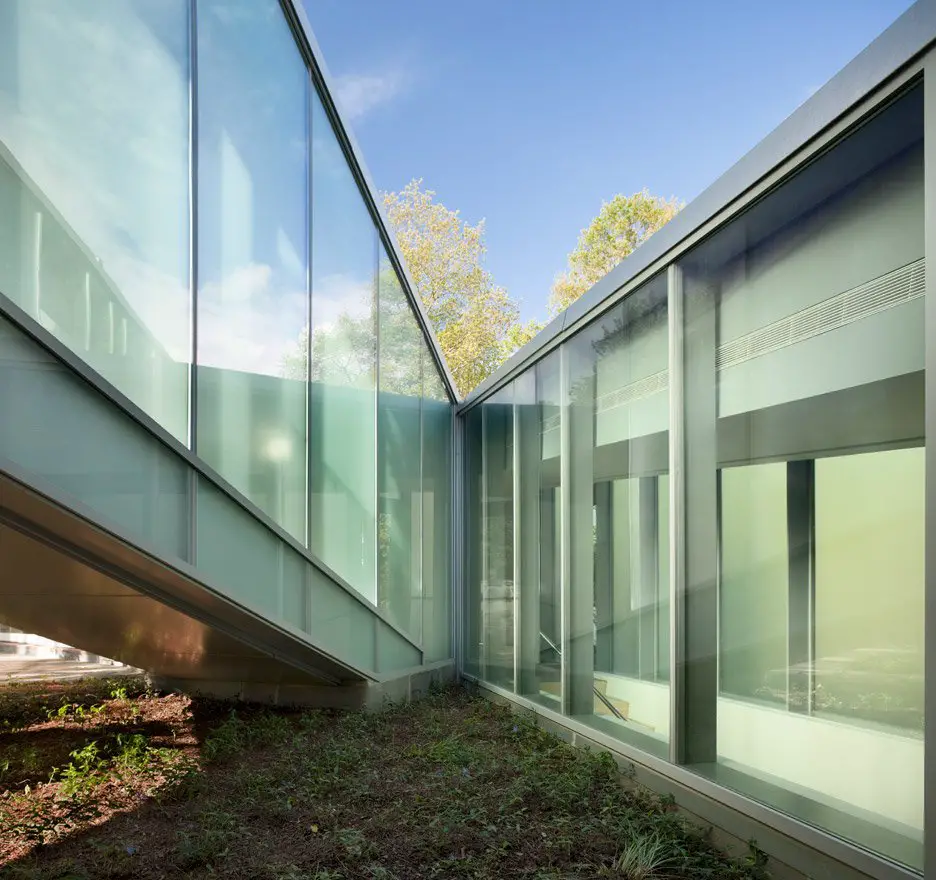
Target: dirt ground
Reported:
[(103, 779)]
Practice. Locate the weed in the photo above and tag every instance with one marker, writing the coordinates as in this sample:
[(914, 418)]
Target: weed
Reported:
[(209, 842), (226, 740), (642, 858), (451, 787), (84, 772), (354, 842)]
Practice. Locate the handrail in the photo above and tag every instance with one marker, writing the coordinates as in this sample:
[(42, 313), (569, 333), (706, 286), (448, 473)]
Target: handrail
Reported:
[(607, 703)]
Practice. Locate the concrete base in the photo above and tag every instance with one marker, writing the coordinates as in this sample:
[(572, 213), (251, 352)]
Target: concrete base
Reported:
[(398, 687)]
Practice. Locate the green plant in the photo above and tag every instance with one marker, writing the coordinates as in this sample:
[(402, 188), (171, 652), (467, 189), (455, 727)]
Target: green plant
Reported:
[(84, 772), (226, 740), (643, 857), (208, 842), (354, 842)]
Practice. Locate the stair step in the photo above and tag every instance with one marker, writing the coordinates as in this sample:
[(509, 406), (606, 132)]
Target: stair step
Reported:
[(554, 689)]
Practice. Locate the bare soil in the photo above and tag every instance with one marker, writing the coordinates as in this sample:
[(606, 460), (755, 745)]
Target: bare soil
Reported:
[(141, 785)]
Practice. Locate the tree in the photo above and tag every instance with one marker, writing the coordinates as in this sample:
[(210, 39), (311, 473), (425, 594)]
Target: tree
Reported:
[(620, 227), (475, 320)]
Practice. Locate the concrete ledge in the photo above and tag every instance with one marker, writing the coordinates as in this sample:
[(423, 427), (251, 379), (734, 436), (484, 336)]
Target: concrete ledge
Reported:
[(401, 687)]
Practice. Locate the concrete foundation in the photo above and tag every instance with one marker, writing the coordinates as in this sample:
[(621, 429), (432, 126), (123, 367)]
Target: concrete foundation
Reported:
[(398, 687)]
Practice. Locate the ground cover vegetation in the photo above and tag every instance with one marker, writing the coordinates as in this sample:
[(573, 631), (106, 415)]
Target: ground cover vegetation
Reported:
[(107, 779)]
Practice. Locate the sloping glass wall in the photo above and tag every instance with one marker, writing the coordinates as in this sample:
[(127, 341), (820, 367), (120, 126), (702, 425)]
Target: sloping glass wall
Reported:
[(794, 617), (178, 209)]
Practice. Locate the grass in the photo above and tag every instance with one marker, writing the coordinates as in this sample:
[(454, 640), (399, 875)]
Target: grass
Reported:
[(453, 786)]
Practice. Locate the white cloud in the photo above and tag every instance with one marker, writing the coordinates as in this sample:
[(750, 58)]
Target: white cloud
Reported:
[(359, 93), (249, 320)]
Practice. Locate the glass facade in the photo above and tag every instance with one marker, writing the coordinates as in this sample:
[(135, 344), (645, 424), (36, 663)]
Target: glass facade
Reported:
[(804, 366), (399, 458), (253, 255), (797, 521), (94, 188), (694, 526), (343, 365), (178, 209)]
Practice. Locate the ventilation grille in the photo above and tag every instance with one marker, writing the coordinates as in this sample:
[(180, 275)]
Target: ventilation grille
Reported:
[(892, 289), (635, 391), (552, 422)]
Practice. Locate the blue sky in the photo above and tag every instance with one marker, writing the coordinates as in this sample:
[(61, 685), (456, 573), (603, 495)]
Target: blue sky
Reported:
[(530, 113)]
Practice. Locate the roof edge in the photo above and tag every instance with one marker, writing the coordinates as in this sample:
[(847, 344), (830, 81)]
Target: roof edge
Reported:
[(325, 82), (906, 38)]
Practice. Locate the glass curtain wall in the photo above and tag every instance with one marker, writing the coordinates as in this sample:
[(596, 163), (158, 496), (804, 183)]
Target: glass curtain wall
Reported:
[(283, 293), (804, 366), (800, 635), (618, 412), (94, 188), (474, 543), (399, 459), (541, 579), (436, 489), (497, 538), (343, 351), (253, 250), (580, 606)]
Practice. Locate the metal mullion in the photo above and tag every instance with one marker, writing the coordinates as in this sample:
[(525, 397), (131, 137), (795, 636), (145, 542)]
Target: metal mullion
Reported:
[(565, 536), (422, 511), (929, 762), (677, 553), (192, 435), (309, 301), (485, 549), (309, 464), (376, 460), (456, 523), (517, 545)]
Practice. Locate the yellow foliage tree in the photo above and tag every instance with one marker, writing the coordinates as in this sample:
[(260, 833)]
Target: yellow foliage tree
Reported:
[(621, 226), (476, 322)]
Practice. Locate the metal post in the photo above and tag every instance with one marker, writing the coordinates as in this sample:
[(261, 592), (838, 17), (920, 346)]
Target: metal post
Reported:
[(929, 764), (527, 465), (578, 586)]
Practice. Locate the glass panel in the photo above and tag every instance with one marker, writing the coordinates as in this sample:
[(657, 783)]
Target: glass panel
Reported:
[(804, 378), (474, 543), (436, 512), (94, 194), (619, 456), (55, 426), (237, 551), (253, 306), (754, 582), (497, 587), (870, 588), (343, 366), (295, 600), (341, 625), (541, 565), (394, 653), (399, 522)]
